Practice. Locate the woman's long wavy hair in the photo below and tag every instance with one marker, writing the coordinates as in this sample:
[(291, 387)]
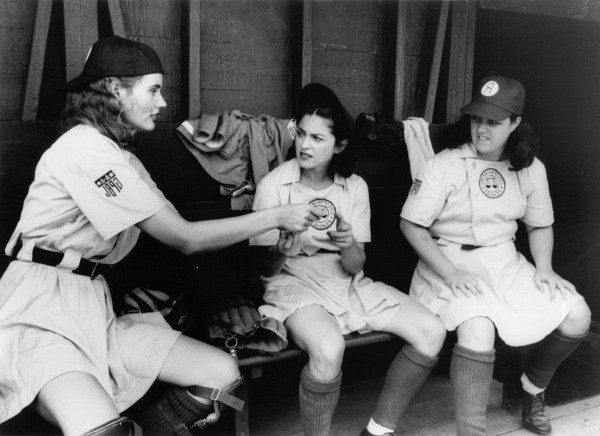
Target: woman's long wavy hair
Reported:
[(95, 105), (318, 99), (521, 145)]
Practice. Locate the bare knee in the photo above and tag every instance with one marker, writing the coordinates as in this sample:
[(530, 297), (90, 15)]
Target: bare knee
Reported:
[(477, 334), (326, 356), (432, 334), (227, 372), (578, 320)]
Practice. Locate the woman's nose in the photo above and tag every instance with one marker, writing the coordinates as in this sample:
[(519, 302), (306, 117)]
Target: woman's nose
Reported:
[(161, 102), (305, 143)]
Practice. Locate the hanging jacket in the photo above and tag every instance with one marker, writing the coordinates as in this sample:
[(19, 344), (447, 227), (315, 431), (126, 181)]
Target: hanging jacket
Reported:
[(237, 149)]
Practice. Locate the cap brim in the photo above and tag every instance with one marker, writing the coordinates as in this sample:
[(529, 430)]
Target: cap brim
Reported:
[(485, 110)]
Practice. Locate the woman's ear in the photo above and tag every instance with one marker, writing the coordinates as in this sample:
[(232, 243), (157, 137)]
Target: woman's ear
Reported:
[(515, 124), (116, 89), (340, 146)]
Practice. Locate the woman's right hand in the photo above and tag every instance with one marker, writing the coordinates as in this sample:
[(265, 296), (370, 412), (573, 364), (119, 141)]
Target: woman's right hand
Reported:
[(297, 217), (289, 244), (463, 282)]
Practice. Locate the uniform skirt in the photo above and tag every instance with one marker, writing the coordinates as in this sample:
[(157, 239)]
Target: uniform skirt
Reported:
[(356, 302), (53, 322), (521, 313)]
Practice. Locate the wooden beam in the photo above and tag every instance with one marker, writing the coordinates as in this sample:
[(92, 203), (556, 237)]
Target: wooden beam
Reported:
[(194, 15), (36, 60), (573, 9), (438, 51), (400, 61), (462, 47), (116, 18), (81, 31), (306, 42)]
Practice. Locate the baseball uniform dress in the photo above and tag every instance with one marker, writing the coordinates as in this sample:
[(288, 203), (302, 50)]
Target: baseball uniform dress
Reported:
[(317, 276), (471, 208), (85, 200)]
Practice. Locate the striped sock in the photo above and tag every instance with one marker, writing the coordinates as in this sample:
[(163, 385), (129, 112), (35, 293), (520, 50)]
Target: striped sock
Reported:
[(405, 376), (548, 355), (317, 402), (186, 410), (471, 376)]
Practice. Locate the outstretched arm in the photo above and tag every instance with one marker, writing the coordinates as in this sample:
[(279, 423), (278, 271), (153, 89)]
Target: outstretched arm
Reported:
[(458, 280), (168, 227)]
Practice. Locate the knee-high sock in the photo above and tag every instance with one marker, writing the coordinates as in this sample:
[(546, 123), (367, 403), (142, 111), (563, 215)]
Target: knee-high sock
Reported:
[(186, 410), (548, 355), (407, 373), (471, 376), (317, 402)]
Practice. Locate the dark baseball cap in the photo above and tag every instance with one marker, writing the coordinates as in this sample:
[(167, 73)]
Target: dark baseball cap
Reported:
[(496, 98), (116, 56)]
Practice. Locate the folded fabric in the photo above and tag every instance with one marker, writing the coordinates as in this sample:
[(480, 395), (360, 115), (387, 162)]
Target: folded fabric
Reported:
[(418, 143), (237, 149)]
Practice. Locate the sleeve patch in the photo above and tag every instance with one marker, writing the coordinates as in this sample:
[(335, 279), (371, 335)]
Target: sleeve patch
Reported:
[(110, 183)]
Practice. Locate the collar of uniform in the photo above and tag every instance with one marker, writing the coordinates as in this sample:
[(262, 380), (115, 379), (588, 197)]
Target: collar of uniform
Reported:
[(292, 175), (467, 150)]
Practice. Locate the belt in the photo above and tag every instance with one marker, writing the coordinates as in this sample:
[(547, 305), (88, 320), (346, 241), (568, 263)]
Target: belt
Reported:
[(466, 247), (53, 258)]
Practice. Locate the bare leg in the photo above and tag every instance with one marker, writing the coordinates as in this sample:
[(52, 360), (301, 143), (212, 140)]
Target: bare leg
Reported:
[(317, 332), (76, 403)]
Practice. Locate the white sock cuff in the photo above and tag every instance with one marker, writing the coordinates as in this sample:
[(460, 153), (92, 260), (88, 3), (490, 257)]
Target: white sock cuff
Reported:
[(529, 387), (378, 430)]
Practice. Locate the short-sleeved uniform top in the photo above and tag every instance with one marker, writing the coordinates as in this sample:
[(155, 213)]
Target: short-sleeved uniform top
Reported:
[(86, 197), (465, 202), (317, 276)]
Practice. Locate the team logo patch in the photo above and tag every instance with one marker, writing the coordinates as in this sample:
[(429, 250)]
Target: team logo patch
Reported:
[(414, 189), (110, 183), (492, 183), (327, 213), (490, 89)]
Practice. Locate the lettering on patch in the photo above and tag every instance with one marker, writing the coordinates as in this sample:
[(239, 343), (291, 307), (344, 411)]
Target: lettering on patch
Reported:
[(414, 189), (327, 213), (110, 183), (492, 183)]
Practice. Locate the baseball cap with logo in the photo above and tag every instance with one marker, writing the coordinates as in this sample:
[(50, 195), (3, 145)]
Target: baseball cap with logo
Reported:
[(116, 56), (496, 98)]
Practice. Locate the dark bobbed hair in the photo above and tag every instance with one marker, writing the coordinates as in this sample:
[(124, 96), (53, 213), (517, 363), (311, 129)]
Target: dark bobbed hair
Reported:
[(521, 145), (96, 106), (318, 99)]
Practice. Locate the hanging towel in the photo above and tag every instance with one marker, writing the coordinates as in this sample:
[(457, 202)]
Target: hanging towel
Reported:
[(418, 143)]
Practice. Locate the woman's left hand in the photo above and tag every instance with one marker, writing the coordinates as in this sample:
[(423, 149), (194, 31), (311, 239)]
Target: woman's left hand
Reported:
[(547, 279), (343, 237)]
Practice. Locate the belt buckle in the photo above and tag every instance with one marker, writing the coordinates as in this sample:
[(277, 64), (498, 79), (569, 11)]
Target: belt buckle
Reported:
[(92, 275)]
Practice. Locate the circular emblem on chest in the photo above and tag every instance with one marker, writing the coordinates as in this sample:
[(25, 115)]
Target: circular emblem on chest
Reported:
[(492, 183), (327, 213)]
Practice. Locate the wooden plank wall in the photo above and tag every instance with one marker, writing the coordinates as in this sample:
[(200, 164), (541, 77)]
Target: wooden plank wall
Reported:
[(16, 25), (251, 55)]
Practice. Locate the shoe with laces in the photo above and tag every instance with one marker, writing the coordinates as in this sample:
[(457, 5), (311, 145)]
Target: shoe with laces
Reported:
[(534, 418)]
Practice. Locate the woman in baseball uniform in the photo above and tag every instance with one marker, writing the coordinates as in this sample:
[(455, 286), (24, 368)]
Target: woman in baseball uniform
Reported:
[(461, 218), (62, 348), (314, 281)]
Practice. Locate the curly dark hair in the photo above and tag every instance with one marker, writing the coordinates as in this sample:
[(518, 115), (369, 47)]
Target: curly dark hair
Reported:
[(96, 106), (521, 146), (318, 99)]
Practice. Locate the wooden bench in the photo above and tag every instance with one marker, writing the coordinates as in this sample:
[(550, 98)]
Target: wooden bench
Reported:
[(216, 275)]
